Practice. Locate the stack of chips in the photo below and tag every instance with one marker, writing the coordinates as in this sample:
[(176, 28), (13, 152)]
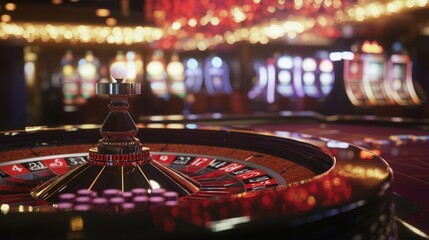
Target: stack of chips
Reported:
[(116, 201)]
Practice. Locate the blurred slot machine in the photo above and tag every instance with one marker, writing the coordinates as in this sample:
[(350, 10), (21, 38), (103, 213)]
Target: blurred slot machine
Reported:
[(88, 69), (134, 67), (31, 55), (399, 78), (276, 80), (317, 79), (217, 83), (325, 76), (309, 67), (216, 76), (353, 75), (176, 77), (263, 82), (374, 74), (30, 59), (70, 81), (285, 73), (156, 75), (297, 77), (196, 100), (193, 75)]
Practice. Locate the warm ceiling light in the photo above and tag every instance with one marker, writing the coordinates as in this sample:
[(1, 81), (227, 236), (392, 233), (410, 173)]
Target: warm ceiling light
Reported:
[(57, 2), (176, 25), (238, 14), (102, 12), (192, 22), (10, 6), (5, 18), (111, 21)]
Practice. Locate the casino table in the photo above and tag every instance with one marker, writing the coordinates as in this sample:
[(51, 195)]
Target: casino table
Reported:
[(401, 142), (300, 174)]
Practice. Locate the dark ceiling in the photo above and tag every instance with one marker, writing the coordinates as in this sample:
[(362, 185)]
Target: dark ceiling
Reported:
[(79, 12)]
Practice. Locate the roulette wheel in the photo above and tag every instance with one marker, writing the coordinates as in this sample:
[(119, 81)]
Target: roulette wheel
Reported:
[(262, 181), (226, 182)]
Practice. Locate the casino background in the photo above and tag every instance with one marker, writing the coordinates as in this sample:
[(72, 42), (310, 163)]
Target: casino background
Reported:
[(275, 56), (353, 71)]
